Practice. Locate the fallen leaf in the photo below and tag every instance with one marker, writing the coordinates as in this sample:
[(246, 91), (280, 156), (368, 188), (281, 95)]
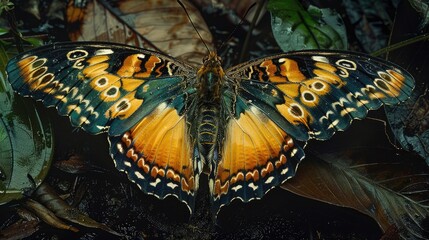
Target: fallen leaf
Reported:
[(19, 230), (47, 196), (375, 181), (47, 216), (160, 25)]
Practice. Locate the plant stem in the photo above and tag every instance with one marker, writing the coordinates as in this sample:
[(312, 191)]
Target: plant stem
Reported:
[(400, 44)]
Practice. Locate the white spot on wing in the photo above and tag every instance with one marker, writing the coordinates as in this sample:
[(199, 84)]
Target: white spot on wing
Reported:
[(104, 51), (293, 152), (317, 133), (334, 123), (284, 171), (236, 188), (139, 175), (171, 185), (128, 164), (120, 148), (320, 59), (269, 180), (155, 183), (253, 186)]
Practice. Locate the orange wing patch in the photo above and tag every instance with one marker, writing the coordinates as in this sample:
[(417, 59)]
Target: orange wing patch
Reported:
[(158, 153), (256, 156), (34, 73), (286, 70)]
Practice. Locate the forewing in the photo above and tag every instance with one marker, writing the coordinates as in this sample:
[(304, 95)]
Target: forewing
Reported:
[(137, 95), (314, 94), (98, 85)]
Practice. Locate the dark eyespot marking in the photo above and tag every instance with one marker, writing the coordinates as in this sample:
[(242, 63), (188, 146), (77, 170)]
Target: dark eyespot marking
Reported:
[(38, 63), (296, 111), (123, 105), (347, 64), (76, 54), (38, 72), (112, 91), (46, 78), (385, 76), (381, 84), (308, 97), (102, 81), (318, 85)]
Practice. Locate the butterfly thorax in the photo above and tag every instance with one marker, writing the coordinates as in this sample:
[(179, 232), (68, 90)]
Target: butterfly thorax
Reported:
[(210, 78)]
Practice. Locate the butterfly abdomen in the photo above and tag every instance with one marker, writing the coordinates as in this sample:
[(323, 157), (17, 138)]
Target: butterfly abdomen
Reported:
[(207, 131)]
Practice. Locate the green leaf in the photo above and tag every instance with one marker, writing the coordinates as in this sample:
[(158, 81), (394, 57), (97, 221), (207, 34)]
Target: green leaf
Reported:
[(3, 61), (3, 31), (374, 181), (294, 28), (35, 42), (25, 147)]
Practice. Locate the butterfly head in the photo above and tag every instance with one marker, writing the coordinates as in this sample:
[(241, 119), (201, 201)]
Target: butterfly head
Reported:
[(210, 77)]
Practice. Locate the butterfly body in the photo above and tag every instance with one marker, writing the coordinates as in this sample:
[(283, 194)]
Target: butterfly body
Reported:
[(167, 121), (210, 81)]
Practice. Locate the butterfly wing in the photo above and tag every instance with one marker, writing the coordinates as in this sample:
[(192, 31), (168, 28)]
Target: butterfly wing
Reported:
[(256, 154), (126, 91), (315, 94), (274, 101)]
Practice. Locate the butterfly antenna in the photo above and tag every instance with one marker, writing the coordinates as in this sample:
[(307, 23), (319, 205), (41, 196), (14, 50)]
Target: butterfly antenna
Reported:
[(236, 26), (193, 25)]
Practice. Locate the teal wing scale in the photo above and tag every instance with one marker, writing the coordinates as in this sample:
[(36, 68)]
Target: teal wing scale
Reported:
[(276, 101), (138, 96)]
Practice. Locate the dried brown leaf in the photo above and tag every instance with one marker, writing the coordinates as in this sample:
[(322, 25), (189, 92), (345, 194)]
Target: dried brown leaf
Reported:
[(19, 230), (160, 25), (47, 216), (46, 195), (376, 182)]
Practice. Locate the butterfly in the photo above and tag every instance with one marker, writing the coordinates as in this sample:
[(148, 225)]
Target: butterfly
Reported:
[(168, 122)]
